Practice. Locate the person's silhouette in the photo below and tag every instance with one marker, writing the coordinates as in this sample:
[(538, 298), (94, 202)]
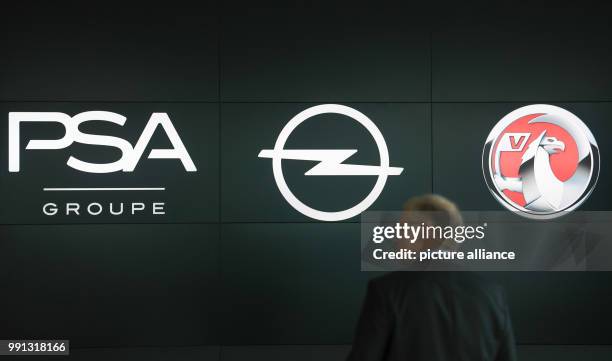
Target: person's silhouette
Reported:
[(433, 316)]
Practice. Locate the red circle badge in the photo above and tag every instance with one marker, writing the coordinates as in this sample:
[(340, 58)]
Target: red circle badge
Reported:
[(540, 161)]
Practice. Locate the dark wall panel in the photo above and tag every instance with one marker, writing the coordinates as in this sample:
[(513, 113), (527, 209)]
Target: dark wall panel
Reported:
[(291, 283), (332, 51), (110, 285), (200, 353), (535, 52), (286, 352), (559, 308), (108, 51)]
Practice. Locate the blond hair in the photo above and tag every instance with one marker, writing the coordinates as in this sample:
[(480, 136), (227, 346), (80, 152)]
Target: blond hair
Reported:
[(443, 211)]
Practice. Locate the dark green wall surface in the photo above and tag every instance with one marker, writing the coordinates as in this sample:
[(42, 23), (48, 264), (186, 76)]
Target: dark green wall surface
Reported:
[(233, 263)]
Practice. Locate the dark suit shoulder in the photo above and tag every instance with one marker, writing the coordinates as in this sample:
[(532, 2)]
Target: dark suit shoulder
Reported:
[(425, 284)]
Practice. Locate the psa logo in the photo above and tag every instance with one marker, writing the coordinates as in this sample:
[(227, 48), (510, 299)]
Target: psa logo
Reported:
[(331, 162), (540, 161), (130, 156)]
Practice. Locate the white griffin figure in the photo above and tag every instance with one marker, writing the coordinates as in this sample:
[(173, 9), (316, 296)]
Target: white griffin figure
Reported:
[(542, 190)]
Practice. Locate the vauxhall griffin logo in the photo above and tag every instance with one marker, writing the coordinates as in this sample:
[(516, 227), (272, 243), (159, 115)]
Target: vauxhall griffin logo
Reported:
[(331, 162), (540, 160)]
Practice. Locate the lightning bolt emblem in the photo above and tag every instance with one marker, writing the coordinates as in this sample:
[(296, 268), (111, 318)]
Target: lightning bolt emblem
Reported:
[(331, 162)]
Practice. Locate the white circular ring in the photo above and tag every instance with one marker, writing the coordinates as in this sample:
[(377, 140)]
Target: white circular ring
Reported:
[(278, 171)]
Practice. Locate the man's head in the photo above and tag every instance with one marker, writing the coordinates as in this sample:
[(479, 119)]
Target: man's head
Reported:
[(429, 210), (441, 210)]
